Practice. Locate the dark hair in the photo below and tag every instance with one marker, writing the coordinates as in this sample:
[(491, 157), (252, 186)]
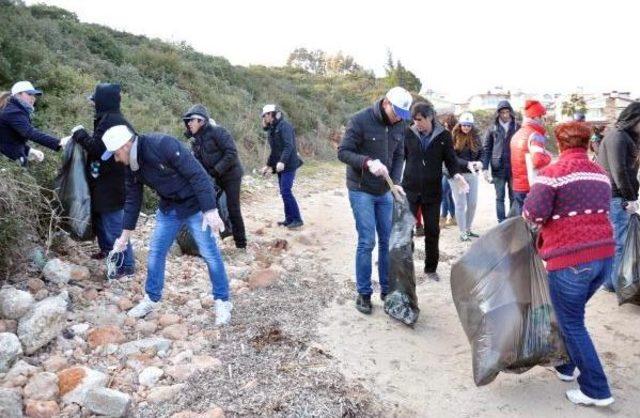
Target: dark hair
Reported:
[(448, 120), (573, 134), (423, 109)]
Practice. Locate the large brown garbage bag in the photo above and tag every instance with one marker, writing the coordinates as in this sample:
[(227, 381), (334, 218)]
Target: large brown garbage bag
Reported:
[(72, 189), (502, 297), (402, 302), (627, 278)]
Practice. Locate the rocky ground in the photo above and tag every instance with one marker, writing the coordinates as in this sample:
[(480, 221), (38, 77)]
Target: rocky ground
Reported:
[(68, 349)]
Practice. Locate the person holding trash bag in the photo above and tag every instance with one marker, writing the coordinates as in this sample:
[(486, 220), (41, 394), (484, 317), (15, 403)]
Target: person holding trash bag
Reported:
[(619, 155), (106, 178), (372, 148), (216, 150), (528, 154), (16, 128), (468, 148), (427, 145), (283, 160), (186, 198), (569, 201)]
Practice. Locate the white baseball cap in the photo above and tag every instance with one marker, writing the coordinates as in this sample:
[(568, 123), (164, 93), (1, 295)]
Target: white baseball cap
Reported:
[(114, 139), (268, 109), (25, 87), (401, 101), (466, 119)]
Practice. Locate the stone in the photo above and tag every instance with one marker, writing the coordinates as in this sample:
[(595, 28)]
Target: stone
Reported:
[(55, 363), (124, 304), (35, 285), (186, 414), (206, 362), (150, 376), (74, 383), (90, 295), (42, 409), (181, 357), (176, 332), (194, 305), (21, 368), (236, 284), (133, 347), (41, 294), (10, 350), (109, 402), (146, 327), (164, 393), (14, 303), (9, 325), (10, 403), (238, 272), (44, 321), (215, 412), (105, 315), (109, 334), (181, 372), (60, 272), (263, 278), (42, 387), (168, 319), (80, 329)]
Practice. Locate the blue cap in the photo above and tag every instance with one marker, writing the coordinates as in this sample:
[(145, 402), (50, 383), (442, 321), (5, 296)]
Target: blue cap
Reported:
[(402, 113)]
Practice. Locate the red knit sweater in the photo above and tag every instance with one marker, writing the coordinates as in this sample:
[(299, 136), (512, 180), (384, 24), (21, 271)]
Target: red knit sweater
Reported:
[(570, 200)]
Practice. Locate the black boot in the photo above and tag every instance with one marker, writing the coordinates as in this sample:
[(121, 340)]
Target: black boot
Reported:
[(363, 304)]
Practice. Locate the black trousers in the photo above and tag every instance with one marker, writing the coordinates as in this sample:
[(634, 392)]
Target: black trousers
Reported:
[(431, 222), (232, 189)]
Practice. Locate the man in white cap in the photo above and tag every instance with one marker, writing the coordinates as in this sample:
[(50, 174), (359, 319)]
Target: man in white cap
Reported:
[(187, 198), (373, 148), (283, 160), (16, 128)]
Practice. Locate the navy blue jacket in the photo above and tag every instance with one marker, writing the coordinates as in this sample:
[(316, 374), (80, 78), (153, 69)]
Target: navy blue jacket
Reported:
[(370, 136), (16, 130), (497, 148), (216, 150), (106, 178), (282, 140), (167, 166)]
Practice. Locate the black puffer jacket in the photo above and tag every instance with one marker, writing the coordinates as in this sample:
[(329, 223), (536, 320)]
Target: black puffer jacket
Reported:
[(106, 178), (497, 144), (618, 155), (214, 147), (370, 136), (282, 140)]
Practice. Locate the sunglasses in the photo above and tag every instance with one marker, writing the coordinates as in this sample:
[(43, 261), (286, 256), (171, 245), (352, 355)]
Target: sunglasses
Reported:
[(466, 125)]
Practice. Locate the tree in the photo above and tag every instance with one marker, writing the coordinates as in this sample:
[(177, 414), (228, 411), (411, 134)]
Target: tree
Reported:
[(398, 75), (576, 103), (310, 61)]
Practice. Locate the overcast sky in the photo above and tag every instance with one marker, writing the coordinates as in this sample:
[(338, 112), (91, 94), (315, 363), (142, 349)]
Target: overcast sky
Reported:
[(454, 47)]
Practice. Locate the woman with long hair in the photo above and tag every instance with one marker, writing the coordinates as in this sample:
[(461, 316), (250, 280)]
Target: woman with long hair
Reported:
[(468, 149)]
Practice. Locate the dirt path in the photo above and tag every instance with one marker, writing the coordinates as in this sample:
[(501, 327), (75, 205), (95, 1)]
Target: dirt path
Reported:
[(427, 370)]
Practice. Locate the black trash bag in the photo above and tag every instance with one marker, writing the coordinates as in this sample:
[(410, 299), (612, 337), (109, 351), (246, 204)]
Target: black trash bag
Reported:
[(186, 242), (502, 297), (401, 302), (627, 278), (72, 189)]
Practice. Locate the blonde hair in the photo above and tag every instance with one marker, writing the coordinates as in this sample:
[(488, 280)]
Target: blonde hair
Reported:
[(4, 98)]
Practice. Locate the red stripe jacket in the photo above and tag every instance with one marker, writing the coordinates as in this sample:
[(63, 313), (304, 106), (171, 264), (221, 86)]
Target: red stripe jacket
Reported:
[(529, 139)]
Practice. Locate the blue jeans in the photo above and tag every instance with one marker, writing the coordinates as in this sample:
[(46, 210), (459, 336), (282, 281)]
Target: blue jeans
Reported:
[(372, 214), (291, 210), (570, 289), (500, 184), (108, 229), (519, 197), (620, 221), (167, 227), (447, 205)]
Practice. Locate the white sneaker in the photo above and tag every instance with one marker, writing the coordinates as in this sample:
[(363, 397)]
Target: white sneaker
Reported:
[(145, 306), (565, 377), (223, 312), (577, 397)]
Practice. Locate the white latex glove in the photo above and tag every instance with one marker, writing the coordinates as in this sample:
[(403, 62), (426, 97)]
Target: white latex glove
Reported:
[(35, 155), (265, 171), (461, 183), (478, 166), (632, 207), (399, 190), (377, 168), (121, 243), (212, 220), (64, 141), (279, 167), (471, 166), (487, 176), (76, 128)]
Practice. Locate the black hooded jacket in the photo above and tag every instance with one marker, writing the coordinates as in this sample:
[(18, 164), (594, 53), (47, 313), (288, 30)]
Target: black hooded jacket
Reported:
[(497, 144), (214, 147), (106, 178)]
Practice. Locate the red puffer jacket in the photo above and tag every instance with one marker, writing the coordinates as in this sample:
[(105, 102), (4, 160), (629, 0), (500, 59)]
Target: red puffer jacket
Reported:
[(530, 139)]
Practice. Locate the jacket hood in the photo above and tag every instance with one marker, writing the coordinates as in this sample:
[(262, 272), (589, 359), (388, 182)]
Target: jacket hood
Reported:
[(197, 109), (629, 117), (504, 104), (107, 98)]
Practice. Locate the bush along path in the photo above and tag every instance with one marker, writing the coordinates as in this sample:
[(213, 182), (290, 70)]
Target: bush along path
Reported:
[(68, 349)]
